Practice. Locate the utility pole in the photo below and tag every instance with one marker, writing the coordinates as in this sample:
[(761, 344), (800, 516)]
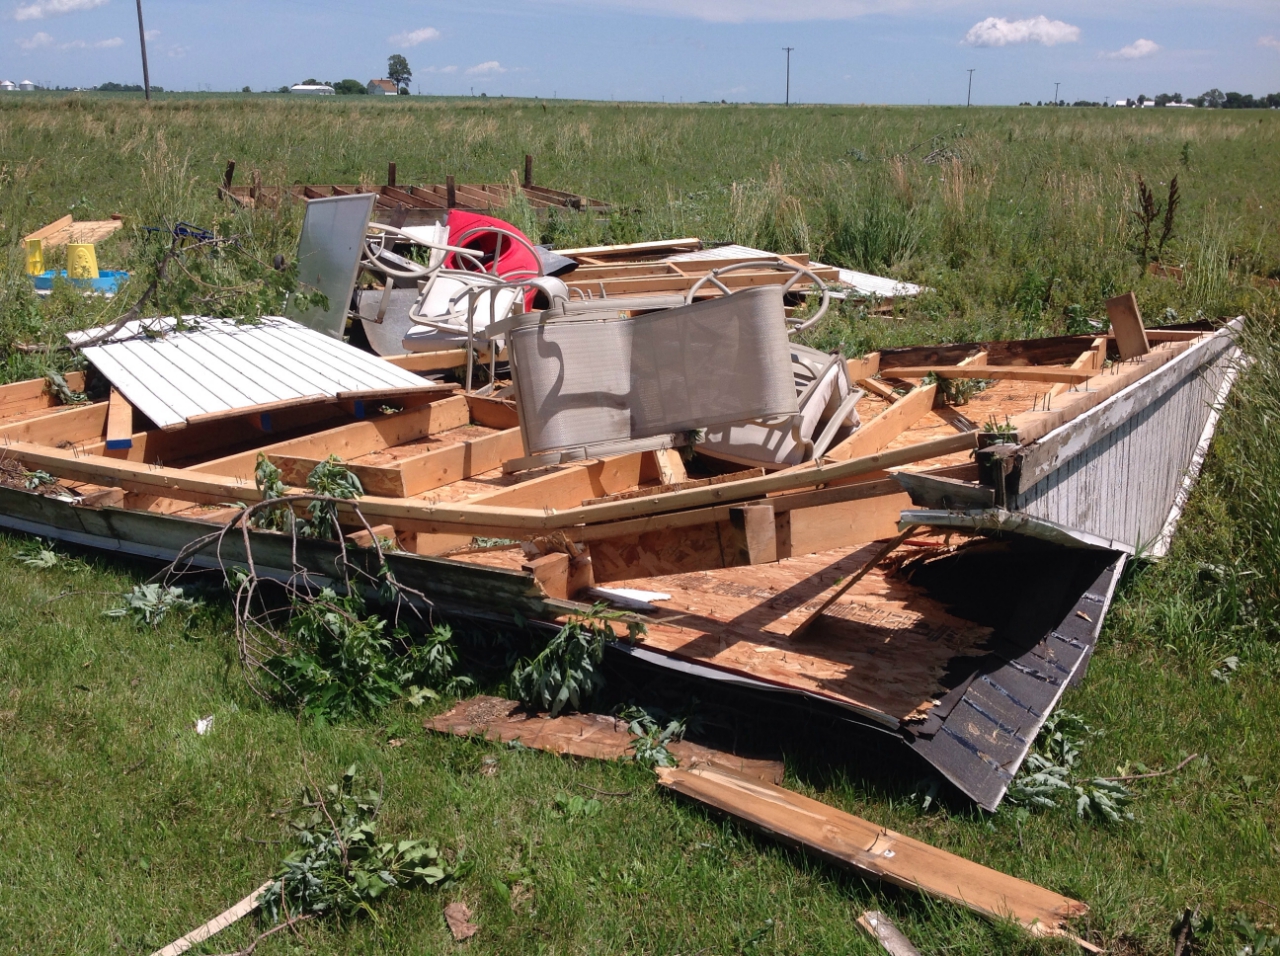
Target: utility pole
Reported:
[(142, 38), (968, 100), (788, 49), (1055, 93)]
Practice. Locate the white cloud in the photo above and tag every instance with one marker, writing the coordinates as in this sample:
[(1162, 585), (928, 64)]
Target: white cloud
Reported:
[(997, 31), (152, 34), (739, 11), (1134, 51), (414, 37), (41, 39), (1269, 41), (40, 9), (488, 68), (440, 69)]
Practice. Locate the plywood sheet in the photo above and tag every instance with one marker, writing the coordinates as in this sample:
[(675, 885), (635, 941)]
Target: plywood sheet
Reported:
[(882, 649), (598, 736)]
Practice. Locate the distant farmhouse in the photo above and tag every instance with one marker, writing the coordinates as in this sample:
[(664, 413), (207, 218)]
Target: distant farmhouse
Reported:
[(383, 88)]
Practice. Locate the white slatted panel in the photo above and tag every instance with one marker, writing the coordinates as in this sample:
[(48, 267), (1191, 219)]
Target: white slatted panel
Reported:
[(218, 366), (1125, 485)]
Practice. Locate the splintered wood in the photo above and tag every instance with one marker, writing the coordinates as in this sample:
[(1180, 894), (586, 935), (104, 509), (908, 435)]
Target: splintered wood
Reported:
[(882, 648), (851, 841), (580, 735)]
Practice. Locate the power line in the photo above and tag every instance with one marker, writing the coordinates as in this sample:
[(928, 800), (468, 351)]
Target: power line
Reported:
[(788, 49), (1055, 93), (968, 100)]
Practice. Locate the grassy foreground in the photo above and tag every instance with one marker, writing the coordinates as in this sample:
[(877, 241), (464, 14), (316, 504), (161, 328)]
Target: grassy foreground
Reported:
[(121, 828)]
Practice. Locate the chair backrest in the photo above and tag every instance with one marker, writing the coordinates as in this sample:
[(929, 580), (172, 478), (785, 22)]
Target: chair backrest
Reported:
[(590, 378)]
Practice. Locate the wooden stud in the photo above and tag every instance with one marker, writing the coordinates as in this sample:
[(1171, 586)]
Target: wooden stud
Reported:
[(1020, 373), (755, 535), (1126, 325), (882, 930), (391, 174), (551, 572), (877, 433), (119, 421), (477, 518), (352, 440), (873, 849), (363, 539), (451, 191), (528, 170), (866, 367), (417, 474)]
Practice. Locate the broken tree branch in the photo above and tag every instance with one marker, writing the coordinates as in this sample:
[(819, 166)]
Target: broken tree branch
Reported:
[(1149, 776)]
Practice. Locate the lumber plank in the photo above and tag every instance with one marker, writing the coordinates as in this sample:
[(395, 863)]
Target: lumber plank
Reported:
[(63, 426), (677, 486), (1021, 373), (119, 421), (689, 244), (876, 434), (882, 930), (44, 232), (571, 486), (417, 474), (437, 361), (493, 412), (876, 850), (351, 440), (1126, 326), (842, 524), (866, 367), (410, 514), (215, 925)]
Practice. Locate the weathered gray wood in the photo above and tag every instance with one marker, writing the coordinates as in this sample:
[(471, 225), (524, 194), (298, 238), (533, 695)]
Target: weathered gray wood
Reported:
[(886, 934), (1064, 443), (940, 492), (1126, 325)]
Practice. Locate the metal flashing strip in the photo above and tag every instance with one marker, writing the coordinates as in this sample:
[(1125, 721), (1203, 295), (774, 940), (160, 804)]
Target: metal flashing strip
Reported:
[(999, 521)]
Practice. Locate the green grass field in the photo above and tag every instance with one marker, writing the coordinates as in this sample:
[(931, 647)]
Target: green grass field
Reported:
[(121, 828)]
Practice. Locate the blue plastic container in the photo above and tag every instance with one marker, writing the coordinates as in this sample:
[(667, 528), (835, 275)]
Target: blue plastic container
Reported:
[(108, 281)]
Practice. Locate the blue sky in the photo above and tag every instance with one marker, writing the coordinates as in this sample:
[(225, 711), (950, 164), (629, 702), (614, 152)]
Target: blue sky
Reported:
[(846, 51)]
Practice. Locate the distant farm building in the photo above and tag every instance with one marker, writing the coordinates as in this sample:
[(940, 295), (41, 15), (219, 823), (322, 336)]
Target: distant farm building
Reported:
[(26, 85), (383, 87), (7, 85), (312, 89)]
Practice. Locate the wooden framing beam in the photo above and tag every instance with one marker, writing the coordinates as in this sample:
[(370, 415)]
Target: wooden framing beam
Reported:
[(119, 421), (877, 851), (33, 395), (1021, 373), (876, 434), (410, 514), (1126, 326), (352, 440), (421, 473)]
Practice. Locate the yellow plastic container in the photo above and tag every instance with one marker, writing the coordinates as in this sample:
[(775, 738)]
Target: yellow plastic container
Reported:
[(82, 261), (35, 257)]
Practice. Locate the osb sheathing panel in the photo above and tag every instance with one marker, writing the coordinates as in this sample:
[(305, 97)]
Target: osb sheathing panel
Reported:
[(883, 647)]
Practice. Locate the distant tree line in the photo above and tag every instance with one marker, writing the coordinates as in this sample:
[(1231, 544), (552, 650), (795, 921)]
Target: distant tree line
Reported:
[(126, 88), (1214, 99)]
